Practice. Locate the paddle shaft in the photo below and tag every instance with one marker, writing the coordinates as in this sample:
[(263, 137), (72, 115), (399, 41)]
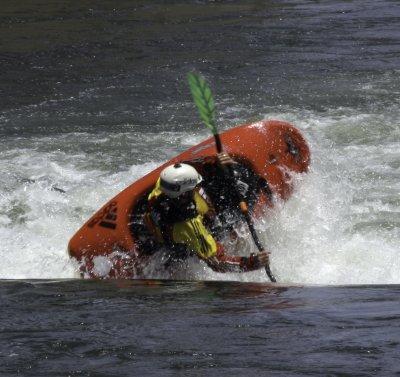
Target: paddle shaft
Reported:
[(245, 211)]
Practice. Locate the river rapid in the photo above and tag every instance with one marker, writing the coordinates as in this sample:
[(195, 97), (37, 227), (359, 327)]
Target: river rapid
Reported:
[(94, 96)]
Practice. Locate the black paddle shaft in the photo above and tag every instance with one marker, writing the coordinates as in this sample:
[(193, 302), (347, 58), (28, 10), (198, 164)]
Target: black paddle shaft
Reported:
[(246, 214), (218, 143)]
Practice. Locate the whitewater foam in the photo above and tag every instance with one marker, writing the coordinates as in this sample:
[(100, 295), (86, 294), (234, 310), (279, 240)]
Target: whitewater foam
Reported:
[(341, 226)]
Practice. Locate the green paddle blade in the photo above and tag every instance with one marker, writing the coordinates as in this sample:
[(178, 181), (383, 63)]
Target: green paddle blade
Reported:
[(203, 99)]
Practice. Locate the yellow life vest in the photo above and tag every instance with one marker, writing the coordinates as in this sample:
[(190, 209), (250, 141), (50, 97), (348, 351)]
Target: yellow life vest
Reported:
[(191, 232)]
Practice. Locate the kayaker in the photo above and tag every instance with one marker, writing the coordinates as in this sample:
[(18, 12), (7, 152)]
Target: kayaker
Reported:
[(178, 214)]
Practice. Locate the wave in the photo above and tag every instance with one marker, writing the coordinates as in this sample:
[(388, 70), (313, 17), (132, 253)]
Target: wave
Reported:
[(341, 226)]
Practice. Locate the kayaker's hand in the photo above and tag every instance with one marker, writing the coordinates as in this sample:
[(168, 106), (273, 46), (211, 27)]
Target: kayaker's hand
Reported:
[(262, 258), (255, 261), (224, 159)]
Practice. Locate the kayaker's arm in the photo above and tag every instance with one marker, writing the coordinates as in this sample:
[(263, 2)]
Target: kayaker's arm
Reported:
[(196, 237), (222, 262), (227, 162)]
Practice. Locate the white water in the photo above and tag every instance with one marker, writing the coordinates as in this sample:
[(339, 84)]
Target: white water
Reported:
[(341, 226)]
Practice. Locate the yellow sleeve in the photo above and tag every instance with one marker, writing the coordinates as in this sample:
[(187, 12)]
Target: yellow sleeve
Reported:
[(156, 190), (201, 204)]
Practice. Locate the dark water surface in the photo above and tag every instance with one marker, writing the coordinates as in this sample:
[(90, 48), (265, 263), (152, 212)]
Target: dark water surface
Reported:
[(93, 95), (143, 328), (95, 65)]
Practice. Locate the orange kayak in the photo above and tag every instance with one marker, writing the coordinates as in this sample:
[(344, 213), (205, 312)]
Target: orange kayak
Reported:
[(110, 244)]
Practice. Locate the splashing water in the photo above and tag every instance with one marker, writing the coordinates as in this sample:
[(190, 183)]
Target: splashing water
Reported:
[(341, 226)]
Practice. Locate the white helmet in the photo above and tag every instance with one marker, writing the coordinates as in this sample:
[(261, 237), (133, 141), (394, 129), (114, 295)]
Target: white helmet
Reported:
[(179, 178)]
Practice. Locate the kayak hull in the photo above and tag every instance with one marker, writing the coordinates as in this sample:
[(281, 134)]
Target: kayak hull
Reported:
[(107, 247)]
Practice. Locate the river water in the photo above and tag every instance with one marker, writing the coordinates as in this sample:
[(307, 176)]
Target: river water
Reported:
[(94, 95)]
